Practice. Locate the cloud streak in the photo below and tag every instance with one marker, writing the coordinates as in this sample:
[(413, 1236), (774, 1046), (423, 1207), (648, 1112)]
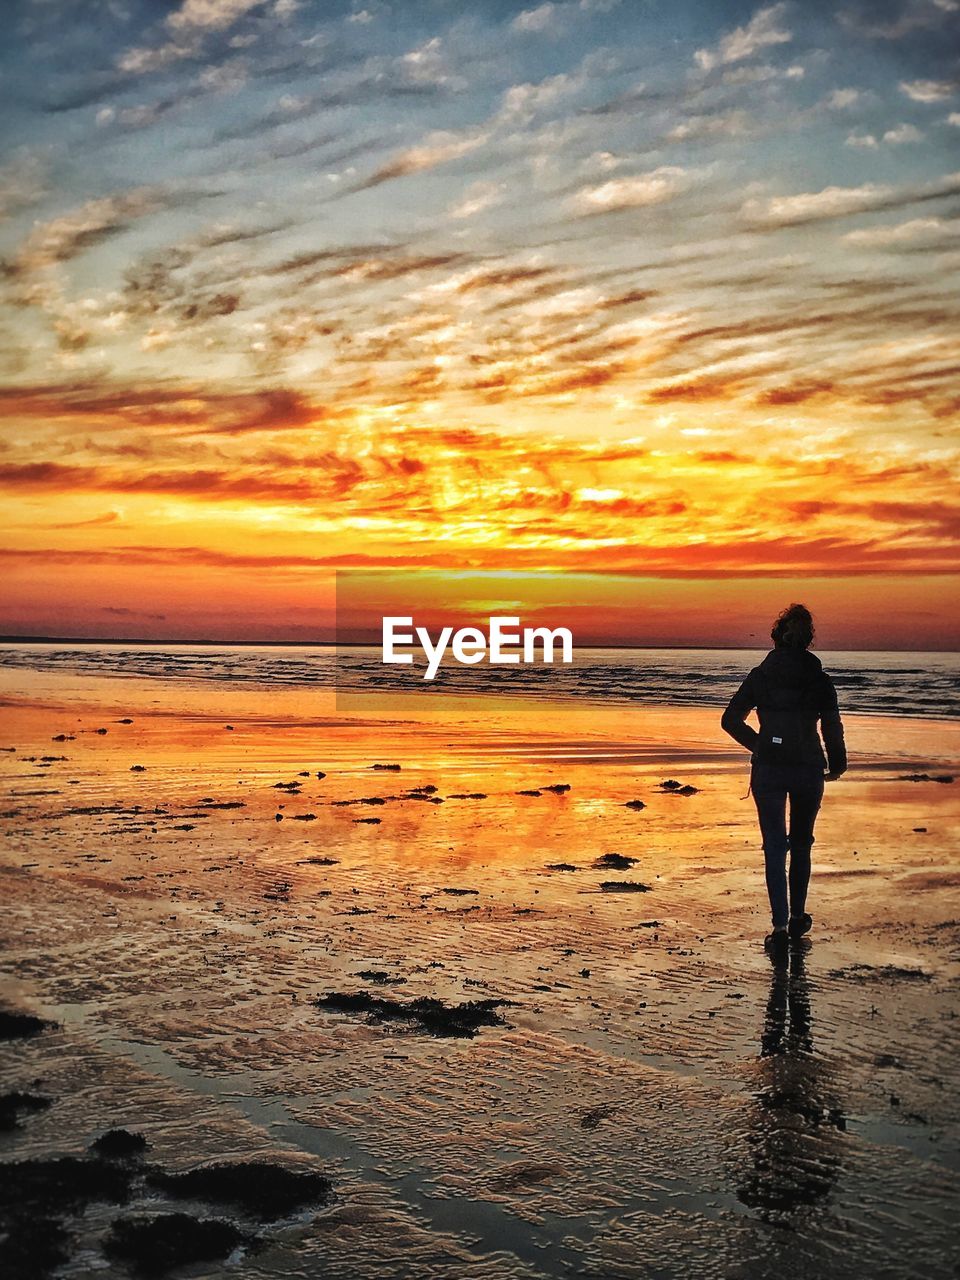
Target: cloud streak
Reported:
[(764, 30), (842, 202)]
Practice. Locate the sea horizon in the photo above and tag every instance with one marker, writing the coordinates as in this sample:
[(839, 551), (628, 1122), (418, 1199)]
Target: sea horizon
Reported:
[(900, 683), (371, 644)]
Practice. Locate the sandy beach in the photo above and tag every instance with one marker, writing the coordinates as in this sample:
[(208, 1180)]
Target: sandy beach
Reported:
[(439, 442), (486, 997)]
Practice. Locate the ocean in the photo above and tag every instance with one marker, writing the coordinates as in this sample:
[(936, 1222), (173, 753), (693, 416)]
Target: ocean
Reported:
[(877, 683)]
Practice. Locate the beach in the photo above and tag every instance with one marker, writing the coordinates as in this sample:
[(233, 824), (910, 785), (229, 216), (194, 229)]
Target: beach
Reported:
[(493, 992)]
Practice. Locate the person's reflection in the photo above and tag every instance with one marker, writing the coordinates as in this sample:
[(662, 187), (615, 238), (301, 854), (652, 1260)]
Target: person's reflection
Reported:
[(792, 1129)]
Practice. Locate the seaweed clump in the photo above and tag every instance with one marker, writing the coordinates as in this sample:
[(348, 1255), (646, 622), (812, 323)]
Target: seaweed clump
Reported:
[(427, 1014), (157, 1244), (260, 1189)]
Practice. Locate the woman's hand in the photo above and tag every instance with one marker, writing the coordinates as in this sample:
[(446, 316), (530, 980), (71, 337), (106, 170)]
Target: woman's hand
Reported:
[(833, 775)]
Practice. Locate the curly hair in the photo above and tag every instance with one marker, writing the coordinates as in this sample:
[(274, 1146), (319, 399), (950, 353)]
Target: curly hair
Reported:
[(794, 628)]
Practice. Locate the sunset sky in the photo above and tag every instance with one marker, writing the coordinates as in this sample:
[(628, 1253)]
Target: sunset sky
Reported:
[(661, 293)]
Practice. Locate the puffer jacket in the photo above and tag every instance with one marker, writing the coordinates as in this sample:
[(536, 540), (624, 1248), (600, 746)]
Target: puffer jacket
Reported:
[(792, 694)]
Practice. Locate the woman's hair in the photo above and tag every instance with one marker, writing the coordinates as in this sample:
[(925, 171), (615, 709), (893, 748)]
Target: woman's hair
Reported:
[(794, 628)]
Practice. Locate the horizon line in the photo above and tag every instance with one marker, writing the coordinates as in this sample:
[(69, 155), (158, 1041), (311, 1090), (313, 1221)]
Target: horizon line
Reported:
[(369, 644)]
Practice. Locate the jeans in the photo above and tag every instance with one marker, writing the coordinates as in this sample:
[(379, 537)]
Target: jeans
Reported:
[(773, 785)]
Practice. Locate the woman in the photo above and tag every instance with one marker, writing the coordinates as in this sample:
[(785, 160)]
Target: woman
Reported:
[(791, 693)]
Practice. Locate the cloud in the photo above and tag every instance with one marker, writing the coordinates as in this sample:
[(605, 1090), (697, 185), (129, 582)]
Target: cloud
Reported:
[(912, 15), (695, 390), (865, 141), (929, 90), (842, 99), (395, 267), (329, 476), (796, 392), (142, 61), (903, 133), (500, 278), (66, 237), (34, 269), (188, 25), (436, 149), (180, 285), (730, 124), (427, 66), (210, 15), (185, 409), (841, 202), (522, 100), (477, 198), (108, 517), (118, 611), (538, 19), (903, 233), (635, 192), (761, 31), (21, 183)]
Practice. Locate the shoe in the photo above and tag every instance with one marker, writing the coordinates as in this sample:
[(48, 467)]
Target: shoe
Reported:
[(776, 943), (799, 925)]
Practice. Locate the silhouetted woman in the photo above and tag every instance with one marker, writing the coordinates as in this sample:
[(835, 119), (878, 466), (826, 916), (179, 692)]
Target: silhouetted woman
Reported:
[(792, 694)]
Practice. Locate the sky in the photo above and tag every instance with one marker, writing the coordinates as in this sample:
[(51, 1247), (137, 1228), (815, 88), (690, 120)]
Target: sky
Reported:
[(659, 294)]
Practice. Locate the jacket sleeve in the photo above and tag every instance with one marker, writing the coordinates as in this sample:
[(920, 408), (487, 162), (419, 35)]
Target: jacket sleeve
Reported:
[(734, 718), (832, 728)]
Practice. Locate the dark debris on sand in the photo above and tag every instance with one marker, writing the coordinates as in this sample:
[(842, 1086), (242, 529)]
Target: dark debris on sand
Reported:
[(154, 1245), (33, 1245), (39, 1197), (592, 1119), (53, 1186), (15, 1104), (623, 886), (20, 1026), (427, 1014), (881, 973), (615, 862), (119, 1144), (926, 777), (380, 977), (635, 804), (263, 1190)]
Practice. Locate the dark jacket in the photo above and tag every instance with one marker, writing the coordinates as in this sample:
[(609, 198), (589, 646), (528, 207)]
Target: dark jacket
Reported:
[(791, 693)]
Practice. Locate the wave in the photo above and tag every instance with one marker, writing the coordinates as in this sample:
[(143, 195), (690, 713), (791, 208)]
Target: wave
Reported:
[(926, 685)]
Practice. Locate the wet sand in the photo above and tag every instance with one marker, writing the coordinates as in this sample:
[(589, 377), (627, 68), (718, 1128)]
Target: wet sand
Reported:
[(512, 1025)]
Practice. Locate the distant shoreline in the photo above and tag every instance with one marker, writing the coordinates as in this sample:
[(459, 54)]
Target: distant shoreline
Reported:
[(367, 644)]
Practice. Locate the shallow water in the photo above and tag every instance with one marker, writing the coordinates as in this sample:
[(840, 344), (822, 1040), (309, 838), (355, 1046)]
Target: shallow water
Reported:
[(660, 1099), (908, 684)]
